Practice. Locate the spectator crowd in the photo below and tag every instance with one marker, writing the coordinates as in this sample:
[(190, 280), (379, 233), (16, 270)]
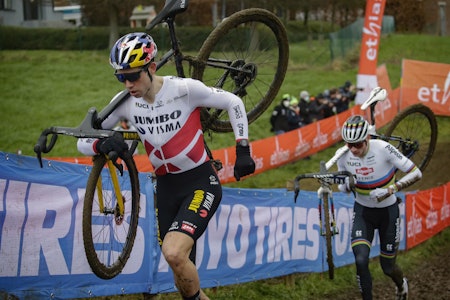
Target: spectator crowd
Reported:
[(293, 112)]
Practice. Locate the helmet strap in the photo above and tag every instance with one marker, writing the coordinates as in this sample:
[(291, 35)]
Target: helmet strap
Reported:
[(148, 72), (150, 76)]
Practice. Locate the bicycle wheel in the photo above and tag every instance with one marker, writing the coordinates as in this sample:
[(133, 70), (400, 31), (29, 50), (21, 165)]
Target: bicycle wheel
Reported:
[(246, 54), (328, 236), (417, 127), (108, 239)]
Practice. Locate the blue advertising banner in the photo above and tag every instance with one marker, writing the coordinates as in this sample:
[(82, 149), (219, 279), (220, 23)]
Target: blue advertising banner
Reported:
[(41, 246), (255, 234)]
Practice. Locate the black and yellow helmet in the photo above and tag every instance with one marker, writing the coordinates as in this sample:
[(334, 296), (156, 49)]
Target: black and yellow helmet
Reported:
[(132, 50)]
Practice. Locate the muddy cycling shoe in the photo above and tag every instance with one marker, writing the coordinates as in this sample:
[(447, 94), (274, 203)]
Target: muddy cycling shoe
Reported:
[(402, 294)]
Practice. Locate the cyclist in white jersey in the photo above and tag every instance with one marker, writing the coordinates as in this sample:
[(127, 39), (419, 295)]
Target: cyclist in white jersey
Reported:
[(373, 163), (165, 110)]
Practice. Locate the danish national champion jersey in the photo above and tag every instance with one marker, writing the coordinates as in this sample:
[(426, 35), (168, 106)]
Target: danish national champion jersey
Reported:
[(375, 170), (170, 127)]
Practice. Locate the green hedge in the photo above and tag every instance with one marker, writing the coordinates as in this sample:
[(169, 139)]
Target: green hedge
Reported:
[(97, 38), (89, 38), (297, 32)]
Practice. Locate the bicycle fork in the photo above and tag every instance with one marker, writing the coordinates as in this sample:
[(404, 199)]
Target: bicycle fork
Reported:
[(334, 229), (119, 210)]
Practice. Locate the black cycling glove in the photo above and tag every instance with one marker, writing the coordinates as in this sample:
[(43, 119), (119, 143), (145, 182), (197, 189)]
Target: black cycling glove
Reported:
[(245, 165), (115, 144)]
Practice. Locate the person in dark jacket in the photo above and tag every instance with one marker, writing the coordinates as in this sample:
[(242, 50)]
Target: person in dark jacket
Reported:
[(279, 118), (294, 116), (304, 105), (321, 108)]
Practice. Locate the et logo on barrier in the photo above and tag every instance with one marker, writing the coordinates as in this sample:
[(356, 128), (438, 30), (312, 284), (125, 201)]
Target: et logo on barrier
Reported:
[(431, 94)]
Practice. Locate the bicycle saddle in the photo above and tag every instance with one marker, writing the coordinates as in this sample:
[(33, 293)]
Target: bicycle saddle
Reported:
[(377, 94), (170, 9)]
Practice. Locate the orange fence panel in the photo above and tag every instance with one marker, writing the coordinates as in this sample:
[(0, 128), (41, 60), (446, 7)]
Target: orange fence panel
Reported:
[(427, 213)]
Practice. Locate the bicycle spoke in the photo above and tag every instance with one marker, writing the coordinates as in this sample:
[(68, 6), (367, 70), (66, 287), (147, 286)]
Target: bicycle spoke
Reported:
[(414, 133), (247, 55), (109, 236)]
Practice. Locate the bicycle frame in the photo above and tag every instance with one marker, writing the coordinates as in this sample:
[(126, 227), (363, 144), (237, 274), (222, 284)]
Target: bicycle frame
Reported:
[(327, 219), (167, 15), (91, 125), (106, 204)]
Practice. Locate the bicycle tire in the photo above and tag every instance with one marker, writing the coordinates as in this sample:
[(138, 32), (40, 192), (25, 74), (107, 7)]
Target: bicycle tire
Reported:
[(416, 123), (107, 244), (265, 53), (328, 237)]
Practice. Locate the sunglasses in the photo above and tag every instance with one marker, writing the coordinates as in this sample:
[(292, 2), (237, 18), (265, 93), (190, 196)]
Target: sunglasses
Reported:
[(356, 145), (131, 77)]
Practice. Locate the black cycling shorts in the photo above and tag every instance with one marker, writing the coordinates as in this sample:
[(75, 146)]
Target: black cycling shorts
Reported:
[(187, 201), (386, 220)]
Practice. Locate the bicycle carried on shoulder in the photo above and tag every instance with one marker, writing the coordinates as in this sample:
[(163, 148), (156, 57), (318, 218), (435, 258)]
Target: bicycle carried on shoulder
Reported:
[(246, 54), (413, 132), (252, 68)]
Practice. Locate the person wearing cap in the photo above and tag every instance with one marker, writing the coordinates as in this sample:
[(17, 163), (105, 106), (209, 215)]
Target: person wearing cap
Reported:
[(294, 118)]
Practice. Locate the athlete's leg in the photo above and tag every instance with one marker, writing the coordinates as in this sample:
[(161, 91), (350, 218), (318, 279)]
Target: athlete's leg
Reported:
[(363, 276), (195, 199), (176, 249), (362, 235), (389, 242)]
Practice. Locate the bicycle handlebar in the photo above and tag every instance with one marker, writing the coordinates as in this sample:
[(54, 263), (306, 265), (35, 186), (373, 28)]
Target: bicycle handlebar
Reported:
[(324, 178), (85, 130)]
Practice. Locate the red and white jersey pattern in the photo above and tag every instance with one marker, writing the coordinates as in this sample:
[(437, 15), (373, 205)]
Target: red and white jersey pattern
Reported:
[(170, 127)]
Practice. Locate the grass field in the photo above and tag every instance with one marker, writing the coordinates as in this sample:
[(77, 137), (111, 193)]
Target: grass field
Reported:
[(47, 88)]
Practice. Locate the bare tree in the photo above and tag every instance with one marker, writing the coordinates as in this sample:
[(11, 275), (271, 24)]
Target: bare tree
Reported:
[(113, 14)]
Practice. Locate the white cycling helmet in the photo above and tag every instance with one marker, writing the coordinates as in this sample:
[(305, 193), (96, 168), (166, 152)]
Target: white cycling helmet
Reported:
[(355, 129)]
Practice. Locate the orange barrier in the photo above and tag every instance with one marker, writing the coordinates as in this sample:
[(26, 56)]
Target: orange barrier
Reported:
[(275, 151), (268, 153), (427, 83), (427, 213)]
